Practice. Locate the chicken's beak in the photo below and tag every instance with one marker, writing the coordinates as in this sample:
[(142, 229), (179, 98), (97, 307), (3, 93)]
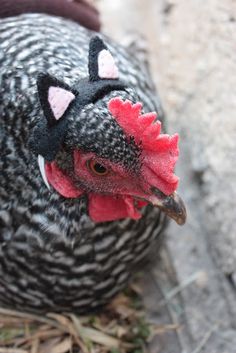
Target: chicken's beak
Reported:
[(172, 205)]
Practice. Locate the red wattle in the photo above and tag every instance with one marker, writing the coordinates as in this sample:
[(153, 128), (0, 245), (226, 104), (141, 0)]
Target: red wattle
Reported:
[(131, 210), (104, 208)]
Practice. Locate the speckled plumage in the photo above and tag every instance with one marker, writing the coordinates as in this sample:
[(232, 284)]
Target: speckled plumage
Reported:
[(52, 256)]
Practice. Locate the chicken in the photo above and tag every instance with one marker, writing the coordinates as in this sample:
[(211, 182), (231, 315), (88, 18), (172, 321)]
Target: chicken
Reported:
[(83, 163)]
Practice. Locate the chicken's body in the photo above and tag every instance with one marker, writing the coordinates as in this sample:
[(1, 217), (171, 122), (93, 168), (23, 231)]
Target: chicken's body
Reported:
[(52, 256)]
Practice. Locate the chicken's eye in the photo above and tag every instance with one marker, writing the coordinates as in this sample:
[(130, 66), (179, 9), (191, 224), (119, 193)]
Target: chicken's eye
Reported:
[(97, 168)]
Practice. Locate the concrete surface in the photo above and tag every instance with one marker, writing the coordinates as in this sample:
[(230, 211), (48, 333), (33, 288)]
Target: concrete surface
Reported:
[(193, 60)]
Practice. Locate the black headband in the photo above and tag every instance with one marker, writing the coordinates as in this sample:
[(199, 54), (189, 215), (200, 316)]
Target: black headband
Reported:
[(48, 134)]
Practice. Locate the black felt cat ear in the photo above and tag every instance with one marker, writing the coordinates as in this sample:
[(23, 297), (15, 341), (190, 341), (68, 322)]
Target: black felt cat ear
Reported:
[(101, 62), (48, 134), (55, 97)]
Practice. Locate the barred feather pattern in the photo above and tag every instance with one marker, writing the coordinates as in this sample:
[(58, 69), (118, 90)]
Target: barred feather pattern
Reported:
[(52, 256)]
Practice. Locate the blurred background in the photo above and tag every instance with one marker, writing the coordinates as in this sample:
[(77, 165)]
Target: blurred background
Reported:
[(191, 45)]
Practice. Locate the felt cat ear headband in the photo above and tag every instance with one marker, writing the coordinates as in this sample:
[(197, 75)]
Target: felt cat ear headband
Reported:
[(57, 98)]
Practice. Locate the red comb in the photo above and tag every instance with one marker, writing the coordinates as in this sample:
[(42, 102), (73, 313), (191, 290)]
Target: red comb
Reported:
[(159, 151)]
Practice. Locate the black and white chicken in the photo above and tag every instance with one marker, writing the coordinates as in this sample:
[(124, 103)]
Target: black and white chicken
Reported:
[(87, 177)]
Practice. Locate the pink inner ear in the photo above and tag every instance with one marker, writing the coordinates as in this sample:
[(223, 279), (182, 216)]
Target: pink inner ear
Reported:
[(59, 100), (106, 65)]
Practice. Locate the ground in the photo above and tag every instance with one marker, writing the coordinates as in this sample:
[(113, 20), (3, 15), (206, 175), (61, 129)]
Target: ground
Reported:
[(193, 62)]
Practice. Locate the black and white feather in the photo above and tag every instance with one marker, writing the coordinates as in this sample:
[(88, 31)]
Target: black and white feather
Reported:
[(52, 256)]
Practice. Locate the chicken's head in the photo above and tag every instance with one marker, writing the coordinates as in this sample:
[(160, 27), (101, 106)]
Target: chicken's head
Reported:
[(97, 141)]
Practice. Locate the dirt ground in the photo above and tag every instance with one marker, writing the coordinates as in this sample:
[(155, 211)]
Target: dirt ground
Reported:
[(192, 55)]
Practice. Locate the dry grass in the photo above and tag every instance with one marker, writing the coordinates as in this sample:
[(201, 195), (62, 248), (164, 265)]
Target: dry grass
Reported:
[(120, 328)]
